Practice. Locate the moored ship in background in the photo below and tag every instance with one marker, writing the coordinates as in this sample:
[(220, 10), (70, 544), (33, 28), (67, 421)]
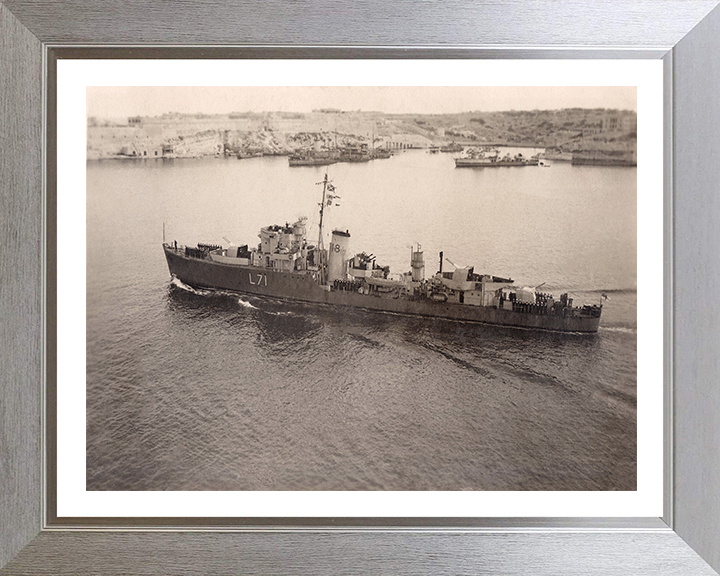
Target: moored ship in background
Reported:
[(321, 157), (380, 153), (285, 265), (358, 153), (312, 157), (490, 159), (592, 157), (452, 147)]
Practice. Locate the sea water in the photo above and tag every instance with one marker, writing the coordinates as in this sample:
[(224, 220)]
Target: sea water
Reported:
[(198, 390)]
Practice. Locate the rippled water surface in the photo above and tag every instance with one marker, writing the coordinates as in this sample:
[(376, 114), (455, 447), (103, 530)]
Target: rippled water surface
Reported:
[(195, 390)]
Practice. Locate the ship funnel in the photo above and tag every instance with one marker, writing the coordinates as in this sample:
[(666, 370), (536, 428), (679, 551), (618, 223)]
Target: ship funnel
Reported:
[(417, 265), (339, 245)]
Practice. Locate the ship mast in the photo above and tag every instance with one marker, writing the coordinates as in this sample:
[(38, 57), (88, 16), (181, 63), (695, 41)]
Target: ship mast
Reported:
[(320, 233), (329, 196)]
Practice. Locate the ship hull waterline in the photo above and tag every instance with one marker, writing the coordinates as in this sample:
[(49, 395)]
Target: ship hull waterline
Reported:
[(260, 281), (469, 163)]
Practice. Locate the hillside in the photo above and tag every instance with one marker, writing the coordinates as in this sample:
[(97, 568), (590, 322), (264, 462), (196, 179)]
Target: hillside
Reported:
[(245, 134)]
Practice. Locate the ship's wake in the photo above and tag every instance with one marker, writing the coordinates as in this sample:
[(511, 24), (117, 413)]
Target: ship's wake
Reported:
[(209, 292), (594, 291), (619, 329), (246, 304), (241, 300), (180, 284)]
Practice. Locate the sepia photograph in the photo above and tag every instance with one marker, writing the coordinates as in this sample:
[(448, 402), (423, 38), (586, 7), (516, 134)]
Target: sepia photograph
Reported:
[(361, 288)]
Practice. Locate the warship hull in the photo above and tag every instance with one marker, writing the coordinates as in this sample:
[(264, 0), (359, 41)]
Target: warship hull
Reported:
[(303, 286), (311, 161), (484, 163)]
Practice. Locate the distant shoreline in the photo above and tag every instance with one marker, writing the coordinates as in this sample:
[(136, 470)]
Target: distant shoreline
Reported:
[(244, 135)]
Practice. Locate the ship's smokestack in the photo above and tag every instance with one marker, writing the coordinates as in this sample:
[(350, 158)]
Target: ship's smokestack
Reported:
[(339, 244), (417, 265), (441, 257)]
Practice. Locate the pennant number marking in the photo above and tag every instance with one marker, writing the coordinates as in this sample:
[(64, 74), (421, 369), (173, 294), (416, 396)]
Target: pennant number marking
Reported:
[(260, 279)]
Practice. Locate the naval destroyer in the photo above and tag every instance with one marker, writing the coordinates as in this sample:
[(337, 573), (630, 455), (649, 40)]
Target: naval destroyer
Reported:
[(286, 265)]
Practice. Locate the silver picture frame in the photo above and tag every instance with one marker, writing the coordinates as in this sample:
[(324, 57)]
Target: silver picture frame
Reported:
[(685, 34)]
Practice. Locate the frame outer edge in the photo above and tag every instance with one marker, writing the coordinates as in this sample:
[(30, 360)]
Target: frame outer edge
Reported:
[(20, 284), (20, 356), (697, 314)]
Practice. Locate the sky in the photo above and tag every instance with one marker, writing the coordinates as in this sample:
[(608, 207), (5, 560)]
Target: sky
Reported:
[(122, 101)]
